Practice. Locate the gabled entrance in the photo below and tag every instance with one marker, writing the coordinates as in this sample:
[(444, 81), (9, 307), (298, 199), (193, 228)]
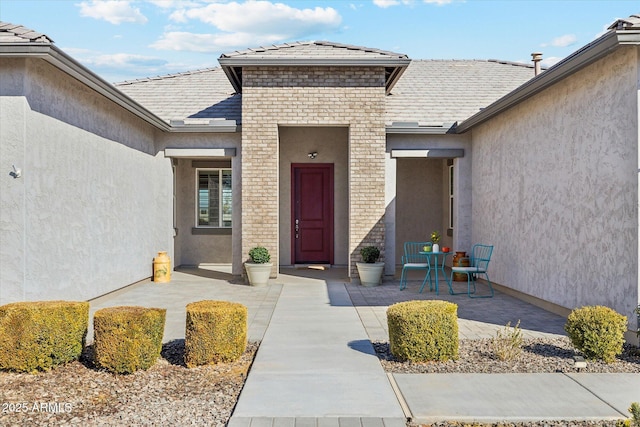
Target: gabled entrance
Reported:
[(312, 213)]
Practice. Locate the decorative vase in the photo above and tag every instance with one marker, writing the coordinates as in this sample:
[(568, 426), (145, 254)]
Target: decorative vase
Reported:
[(436, 247), (460, 260), (162, 268)]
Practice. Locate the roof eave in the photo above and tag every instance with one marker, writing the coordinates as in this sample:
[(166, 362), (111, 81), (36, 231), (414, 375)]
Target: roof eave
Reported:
[(65, 63), (414, 128), (232, 66), (571, 64)]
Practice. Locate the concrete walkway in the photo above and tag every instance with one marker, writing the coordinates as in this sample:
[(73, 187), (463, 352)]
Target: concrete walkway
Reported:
[(316, 366), (316, 362)]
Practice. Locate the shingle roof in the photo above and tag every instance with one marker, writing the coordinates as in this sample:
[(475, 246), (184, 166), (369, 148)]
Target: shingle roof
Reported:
[(433, 92), (11, 33), (430, 92), (202, 94)]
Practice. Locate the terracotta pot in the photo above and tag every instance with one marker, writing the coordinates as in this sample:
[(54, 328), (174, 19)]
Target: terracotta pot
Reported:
[(460, 260)]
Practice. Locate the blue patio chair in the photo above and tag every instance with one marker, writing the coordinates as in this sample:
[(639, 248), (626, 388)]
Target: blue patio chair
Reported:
[(478, 264), (414, 260)]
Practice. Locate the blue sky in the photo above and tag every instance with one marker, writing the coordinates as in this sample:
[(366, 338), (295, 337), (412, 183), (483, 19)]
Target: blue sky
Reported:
[(125, 40)]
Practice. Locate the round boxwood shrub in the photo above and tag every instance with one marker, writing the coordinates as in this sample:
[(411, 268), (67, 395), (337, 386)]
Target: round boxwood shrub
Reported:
[(597, 331), (259, 255), (421, 331)]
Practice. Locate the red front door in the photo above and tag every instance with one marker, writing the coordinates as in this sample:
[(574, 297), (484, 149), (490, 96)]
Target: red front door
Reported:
[(312, 213)]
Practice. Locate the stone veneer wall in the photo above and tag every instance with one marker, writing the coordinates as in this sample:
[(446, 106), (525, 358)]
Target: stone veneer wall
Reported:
[(313, 96)]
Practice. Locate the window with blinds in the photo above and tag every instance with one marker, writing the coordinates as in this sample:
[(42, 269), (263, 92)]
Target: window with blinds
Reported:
[(214, 199)]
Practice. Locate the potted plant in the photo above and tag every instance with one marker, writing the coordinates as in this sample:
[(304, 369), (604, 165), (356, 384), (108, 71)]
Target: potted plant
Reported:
[(370, 271), (435, 239), (259, 268)]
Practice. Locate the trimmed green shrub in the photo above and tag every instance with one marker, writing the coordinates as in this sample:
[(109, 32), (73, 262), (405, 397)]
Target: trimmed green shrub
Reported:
[(421, 331), (37, 336), (597, 331), (128, 338), (216, 332), (370, 254), (259, 255)]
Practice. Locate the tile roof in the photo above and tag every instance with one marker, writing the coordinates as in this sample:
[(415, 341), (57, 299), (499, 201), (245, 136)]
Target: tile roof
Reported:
[(201, 94), (11, 33), (431, 92), (630, 23)]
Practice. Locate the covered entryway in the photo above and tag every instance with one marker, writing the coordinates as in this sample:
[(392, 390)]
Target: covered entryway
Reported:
[(312, 213), (314, 191)]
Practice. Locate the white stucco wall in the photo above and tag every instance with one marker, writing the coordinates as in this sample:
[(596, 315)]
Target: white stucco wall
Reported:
[(555, 189), (93, 205)]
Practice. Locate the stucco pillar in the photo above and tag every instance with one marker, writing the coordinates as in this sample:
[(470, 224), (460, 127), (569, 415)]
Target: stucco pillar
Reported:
[(462, 203), (390, 214)]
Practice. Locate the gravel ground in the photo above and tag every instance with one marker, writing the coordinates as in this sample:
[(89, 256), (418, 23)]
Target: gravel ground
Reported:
[(168, 394), (477, 356)]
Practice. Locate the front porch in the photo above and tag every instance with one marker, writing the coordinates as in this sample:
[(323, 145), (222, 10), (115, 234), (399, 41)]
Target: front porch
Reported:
[(478, 318)]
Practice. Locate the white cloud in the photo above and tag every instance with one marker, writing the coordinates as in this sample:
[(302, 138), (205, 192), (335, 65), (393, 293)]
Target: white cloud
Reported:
[(562, 41), (264, 17), (211, 43), (438, 2), (126, 60), (115, 66), (171, 4), (113, 11), (550, 61), (246, 24), (386, 3)]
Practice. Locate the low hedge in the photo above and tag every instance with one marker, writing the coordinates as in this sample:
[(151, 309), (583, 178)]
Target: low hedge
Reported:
[(597, 331), (216, 331), (421, 331), (127, 339), (37, 336)]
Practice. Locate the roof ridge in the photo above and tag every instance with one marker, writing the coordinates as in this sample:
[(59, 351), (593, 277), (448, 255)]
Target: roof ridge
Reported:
[(362, 48), (495, 61), (23, 32), (167, 76), (288, 45)]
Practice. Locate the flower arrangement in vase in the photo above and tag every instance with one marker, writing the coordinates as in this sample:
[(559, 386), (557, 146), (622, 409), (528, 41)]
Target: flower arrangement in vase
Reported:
[(435, 239)]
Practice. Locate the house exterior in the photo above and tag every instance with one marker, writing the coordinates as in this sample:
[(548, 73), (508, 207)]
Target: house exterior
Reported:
[(314, 150)]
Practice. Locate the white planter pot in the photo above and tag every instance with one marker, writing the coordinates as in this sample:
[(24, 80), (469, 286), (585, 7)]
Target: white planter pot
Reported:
[(258, 274), (370, 273)]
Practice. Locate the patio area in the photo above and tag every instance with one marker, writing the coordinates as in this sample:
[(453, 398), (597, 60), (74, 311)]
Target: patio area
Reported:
[(478, 318)]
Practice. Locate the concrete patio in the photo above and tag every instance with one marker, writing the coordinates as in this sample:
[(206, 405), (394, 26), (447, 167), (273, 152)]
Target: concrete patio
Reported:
[(316, 365)]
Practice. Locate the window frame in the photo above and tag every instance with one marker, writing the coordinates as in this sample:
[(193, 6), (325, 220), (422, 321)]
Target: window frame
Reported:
[(220, 198)]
